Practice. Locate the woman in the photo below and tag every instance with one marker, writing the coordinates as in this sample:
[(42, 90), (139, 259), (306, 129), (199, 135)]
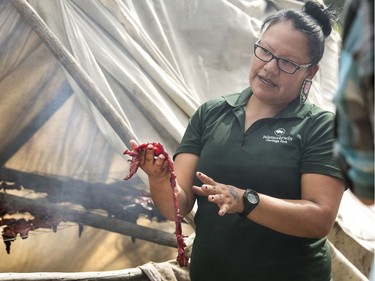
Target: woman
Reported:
[(259, 163)]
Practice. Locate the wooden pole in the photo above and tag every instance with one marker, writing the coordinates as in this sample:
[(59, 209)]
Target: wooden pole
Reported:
[(133, 274), (72, 214), (75, 70)]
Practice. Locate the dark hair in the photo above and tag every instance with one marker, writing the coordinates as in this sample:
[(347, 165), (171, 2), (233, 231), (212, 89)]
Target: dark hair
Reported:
[(314, 20)]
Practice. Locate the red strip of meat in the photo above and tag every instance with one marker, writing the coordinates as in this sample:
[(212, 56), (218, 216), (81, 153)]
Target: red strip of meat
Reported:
[(182, 259)]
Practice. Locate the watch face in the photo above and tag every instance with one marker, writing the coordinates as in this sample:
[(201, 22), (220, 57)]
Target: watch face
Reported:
[(252, 198)]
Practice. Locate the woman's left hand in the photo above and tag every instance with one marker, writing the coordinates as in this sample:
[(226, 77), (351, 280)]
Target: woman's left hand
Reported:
[(227, 197)]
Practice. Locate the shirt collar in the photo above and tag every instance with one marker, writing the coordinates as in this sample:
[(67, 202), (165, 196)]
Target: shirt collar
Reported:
[(294, 109)]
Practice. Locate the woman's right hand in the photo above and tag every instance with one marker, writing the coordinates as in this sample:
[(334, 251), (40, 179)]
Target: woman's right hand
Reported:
[(156, 167)]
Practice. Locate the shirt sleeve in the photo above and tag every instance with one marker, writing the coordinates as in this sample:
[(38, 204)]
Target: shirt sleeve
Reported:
[(206, 114), (317, 151), (191, 140)]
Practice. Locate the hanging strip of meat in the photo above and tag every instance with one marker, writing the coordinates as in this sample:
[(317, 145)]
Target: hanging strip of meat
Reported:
[(182, 259)]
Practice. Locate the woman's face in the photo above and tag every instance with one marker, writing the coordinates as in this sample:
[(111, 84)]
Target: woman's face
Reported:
[(268, 82)]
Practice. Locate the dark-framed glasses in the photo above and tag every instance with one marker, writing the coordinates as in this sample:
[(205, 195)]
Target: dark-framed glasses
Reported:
[(284, 65)]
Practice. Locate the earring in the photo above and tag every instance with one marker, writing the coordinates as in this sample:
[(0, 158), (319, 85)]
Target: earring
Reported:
[(305, 89)]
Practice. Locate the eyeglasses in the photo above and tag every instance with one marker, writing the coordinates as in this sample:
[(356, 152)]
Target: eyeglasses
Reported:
[(284, 65)]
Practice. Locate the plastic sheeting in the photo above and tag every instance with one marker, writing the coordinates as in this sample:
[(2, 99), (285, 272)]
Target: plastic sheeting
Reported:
[(153, 61)]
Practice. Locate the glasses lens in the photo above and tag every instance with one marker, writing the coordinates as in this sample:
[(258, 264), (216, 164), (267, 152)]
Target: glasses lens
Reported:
[(287, 66)]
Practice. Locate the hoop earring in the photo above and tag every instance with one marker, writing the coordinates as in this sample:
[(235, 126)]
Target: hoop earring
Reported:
[(305, 89)]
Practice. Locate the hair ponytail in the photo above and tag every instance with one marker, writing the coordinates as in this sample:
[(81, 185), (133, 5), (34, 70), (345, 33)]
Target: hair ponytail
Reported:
[(324, 16), (314, 20)]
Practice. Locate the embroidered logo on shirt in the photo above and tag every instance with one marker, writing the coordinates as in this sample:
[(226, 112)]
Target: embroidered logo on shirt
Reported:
[(279, 132), (279, 136)]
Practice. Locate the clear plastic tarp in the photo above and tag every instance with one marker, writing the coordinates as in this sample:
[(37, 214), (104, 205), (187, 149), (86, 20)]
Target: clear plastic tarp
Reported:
[(154, 62)]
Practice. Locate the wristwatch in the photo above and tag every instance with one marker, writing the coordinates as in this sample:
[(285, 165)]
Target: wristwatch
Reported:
[(250, 201)]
